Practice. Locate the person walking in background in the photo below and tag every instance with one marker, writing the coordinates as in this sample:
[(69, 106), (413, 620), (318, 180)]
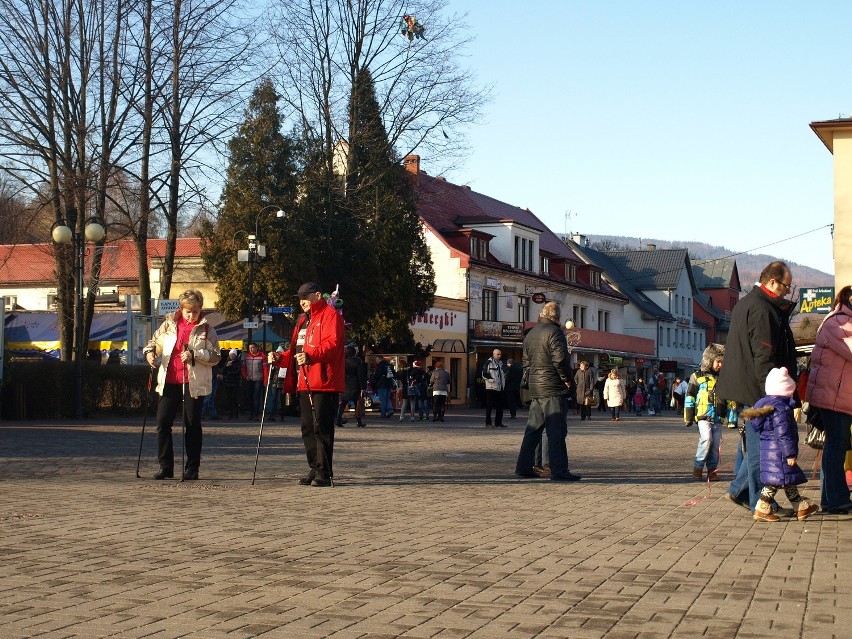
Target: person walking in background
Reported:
[(547, 360), (614, 393), (679, 389), (654, 400), (440, 383), (830, 390), (409, 387), (252, 372), (186, 348), (232, 375), (315, 367), (208, 408), (514, 373), (384, 380), (597, 392), (355, 383), (639, 398), (494, 374), (703, 405), (424, 401), (759, 340), (772, 418), (585, 386)]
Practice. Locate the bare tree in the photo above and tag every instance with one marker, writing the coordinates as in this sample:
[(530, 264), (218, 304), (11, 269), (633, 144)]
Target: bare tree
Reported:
[(63, 106), (426, 98), (210, 49)]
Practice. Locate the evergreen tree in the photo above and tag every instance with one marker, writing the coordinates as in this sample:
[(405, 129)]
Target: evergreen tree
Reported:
[(380, 196), (260, 178)]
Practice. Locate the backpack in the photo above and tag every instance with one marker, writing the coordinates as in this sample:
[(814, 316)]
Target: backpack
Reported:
[(411, 391)]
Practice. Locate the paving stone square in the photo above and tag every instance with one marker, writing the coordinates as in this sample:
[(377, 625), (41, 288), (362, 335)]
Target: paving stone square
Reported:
[(426, 534)]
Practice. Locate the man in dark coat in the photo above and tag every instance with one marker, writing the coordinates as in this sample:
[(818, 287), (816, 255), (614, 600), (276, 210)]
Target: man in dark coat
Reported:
[(760, 339), (547, 365), (356, 382), (513, 386), (585, 385)]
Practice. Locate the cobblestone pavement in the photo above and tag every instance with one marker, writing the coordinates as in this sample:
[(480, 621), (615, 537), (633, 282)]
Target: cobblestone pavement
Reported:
[(427, 533)]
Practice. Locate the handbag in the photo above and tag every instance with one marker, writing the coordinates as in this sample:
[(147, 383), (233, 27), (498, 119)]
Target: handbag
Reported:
[(815, 437)]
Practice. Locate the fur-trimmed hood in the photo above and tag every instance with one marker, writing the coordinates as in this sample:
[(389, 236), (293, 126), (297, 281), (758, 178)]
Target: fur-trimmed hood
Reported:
[(751, 413), (711, 354)]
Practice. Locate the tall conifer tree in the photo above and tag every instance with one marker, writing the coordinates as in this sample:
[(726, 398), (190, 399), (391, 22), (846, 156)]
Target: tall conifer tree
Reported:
[(261, 177)]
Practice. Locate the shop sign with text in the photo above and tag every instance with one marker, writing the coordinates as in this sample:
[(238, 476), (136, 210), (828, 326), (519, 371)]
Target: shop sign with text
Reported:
[(483, 329), (816, 300)]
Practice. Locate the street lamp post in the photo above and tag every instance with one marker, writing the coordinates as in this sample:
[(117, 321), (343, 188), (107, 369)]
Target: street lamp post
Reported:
[(62, 234), (255, 250)]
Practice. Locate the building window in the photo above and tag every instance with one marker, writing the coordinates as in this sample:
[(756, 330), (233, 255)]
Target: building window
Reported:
[(579, 316), (595, 279), (677, 301), (545, 265), (523, 309), (489, 304), (603, 321), (524, 253), (478, 248), (12, 302), (571, 273), (668, 336)]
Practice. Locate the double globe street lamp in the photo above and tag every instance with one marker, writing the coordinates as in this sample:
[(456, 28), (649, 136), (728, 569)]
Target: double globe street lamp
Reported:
[(255, 250), (94, 232)]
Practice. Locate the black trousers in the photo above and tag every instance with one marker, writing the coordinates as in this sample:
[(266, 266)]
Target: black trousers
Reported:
[(168, 408), (494, 400), (318, 436)]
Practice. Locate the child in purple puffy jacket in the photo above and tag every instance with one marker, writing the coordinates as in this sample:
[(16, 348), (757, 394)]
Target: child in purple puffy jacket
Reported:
[(772, 418)]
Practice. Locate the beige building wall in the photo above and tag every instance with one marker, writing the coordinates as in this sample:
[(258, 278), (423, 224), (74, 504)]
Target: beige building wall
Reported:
[(837, 137), (842, 208)]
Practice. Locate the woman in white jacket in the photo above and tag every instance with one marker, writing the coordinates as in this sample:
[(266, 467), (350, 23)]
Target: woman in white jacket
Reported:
[(186, 348), (614, 393)]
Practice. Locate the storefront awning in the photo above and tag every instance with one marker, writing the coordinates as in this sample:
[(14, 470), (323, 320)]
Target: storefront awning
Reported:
[(448, 346)]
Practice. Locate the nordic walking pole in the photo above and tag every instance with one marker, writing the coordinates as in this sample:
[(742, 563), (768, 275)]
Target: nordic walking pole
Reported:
[(144, 418), (183, 415), (262, 417), (304, 368)]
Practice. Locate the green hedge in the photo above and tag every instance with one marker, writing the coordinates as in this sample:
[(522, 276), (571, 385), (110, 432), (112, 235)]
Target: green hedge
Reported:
[(45, 390)]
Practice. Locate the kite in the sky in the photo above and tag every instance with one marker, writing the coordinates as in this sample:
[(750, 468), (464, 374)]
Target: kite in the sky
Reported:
[(410, 28)]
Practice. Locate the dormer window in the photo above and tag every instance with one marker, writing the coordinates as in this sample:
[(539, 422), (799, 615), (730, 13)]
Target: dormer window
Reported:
[(545, 265), (524, 253), (571, 272), (478, 248), (595, 279)]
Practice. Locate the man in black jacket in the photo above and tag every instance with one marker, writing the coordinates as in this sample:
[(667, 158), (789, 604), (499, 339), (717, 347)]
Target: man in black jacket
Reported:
[(760, 339), (547, 366)]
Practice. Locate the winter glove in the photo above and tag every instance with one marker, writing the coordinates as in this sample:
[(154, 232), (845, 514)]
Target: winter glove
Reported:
[(689, 416)]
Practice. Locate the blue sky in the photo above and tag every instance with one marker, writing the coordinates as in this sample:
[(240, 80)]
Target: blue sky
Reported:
[(673, 120)]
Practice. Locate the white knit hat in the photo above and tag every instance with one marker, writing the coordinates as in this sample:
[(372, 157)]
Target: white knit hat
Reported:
[(233, 351), (779, 382)]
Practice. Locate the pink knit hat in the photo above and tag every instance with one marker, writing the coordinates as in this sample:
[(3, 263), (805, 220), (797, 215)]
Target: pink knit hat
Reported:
[(779, 382)]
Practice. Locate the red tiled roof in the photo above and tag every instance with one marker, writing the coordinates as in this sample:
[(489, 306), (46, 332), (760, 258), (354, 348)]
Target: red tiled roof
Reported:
[(32, 264), (447, 207)]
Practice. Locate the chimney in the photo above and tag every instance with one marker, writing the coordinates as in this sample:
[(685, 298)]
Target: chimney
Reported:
[(580, 239), (650, 247), (411, 163)]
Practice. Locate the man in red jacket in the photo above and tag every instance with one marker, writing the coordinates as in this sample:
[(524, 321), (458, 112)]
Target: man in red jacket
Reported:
[(316, 368)]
